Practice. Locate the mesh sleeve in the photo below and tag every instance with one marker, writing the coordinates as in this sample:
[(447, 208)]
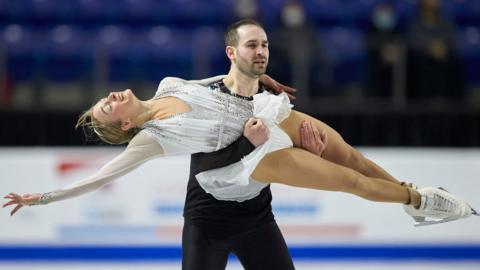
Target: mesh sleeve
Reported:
[(141, 149)]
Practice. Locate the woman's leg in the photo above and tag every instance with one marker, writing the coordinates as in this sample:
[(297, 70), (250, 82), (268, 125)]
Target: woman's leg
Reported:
[(297, 167), (337, 150)]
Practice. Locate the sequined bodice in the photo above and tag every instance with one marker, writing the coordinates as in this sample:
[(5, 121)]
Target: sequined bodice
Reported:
[(216, 118)]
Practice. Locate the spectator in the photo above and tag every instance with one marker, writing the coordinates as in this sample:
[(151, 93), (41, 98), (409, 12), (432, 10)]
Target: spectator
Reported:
[(296, 51), (246, 9), (384, 51), (434, 69)]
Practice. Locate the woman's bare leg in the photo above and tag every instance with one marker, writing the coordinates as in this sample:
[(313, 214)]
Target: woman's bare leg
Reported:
[(337, 150), (297, 167)]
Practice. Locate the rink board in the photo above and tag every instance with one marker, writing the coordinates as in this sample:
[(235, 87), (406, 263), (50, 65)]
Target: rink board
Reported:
[(139, 217)]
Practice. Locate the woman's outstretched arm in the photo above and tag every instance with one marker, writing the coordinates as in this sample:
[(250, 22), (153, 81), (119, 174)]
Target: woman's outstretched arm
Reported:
[(141, 149)]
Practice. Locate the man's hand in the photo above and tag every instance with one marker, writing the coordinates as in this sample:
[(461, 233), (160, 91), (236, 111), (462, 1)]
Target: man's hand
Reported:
[(255, 131), (277, 87), (313, 140)]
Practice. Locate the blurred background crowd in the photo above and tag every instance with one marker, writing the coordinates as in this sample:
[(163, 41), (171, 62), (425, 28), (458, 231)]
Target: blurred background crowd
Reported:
[(383, 73)]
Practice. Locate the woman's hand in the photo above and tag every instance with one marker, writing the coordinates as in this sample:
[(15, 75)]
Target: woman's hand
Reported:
[(21, 201), (277, 87)]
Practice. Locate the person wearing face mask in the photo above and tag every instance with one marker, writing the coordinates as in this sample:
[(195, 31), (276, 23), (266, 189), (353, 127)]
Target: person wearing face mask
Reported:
[(434, 70), (297, 54), (384, 42), (246, 9)]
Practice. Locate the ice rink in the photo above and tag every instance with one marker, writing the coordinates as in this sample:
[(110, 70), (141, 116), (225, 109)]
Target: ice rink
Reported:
[(301, 265)]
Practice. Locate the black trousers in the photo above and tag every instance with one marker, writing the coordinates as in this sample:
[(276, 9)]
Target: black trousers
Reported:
[(262, 248)]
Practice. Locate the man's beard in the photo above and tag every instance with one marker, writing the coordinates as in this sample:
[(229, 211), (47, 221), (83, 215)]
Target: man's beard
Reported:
[(249, 68)]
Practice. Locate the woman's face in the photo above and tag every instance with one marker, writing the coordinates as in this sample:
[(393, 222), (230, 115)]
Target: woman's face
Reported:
[(117, 106)]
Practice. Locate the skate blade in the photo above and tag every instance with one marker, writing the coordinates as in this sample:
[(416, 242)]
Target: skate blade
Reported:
[(433, 222)]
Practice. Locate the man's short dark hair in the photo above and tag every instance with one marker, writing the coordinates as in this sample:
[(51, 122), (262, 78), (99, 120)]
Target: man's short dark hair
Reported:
[(231, 34)]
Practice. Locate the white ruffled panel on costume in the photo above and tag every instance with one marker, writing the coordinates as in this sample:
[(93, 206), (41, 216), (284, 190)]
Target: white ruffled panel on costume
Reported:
[(233, 182), (271, 107)]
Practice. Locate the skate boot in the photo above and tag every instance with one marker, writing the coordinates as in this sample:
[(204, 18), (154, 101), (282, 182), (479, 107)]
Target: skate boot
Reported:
[(438, 206)]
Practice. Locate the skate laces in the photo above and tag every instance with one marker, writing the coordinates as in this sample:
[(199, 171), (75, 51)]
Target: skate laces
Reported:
[(441, 204)]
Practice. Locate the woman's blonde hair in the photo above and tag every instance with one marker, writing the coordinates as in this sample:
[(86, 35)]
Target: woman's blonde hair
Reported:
[(110, 133)]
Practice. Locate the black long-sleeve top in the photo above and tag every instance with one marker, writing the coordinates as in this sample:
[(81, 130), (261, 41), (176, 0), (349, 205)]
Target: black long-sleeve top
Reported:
[(223, 218)]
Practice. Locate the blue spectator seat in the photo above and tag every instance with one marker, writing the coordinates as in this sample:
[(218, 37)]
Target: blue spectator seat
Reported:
[(103, 12), (112, 50), (20, 44), (14, 11), (464, 12), (472, 12), (53, 11), (351, 13), (66, 54), (270, 10), (360, 11), (468, 42), (38, 41), (406, 8), (160, 51), (209, 52), (191, 13), (38, 12), (325, 12), (138, 10), (345, 49)]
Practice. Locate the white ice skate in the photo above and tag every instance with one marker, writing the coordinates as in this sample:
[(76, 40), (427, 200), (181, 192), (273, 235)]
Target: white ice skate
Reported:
[(438, 206)]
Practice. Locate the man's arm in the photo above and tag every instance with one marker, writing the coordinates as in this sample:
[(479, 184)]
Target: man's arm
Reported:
[(224, 157), (254, 134), (272, 85)]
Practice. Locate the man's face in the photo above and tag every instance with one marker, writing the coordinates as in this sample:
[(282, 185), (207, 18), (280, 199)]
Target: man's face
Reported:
[(251, 53)]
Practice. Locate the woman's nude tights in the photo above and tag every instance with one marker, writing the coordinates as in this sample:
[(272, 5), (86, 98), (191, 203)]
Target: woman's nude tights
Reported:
[(341, 167)]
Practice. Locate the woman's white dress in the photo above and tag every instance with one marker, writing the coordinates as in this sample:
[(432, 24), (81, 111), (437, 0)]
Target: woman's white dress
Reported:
[(216, 119)]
